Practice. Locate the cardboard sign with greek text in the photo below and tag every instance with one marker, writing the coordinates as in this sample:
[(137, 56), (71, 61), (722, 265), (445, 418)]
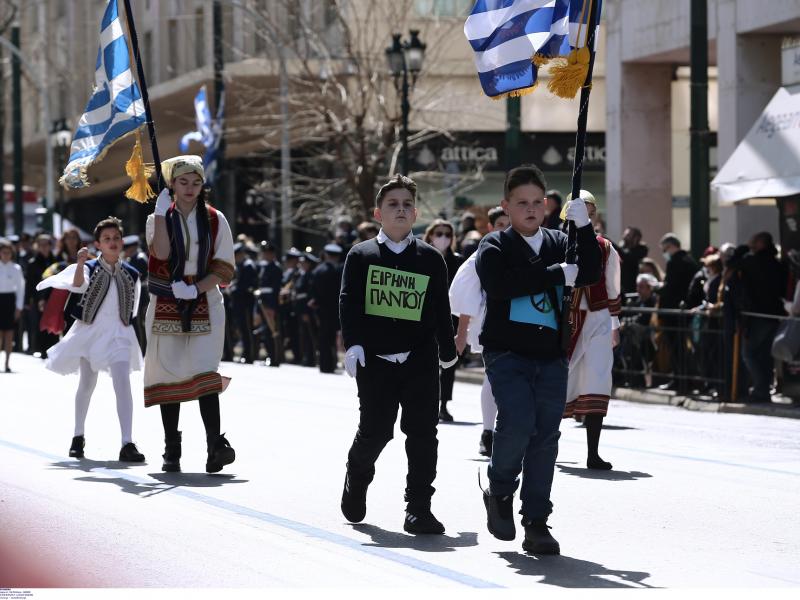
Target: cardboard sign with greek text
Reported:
[(395, 294)]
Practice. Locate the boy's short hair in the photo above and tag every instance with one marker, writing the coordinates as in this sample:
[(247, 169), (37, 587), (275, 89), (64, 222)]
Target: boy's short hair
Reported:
[(494, 214), (107, 223), (524, 175), (395, 183)]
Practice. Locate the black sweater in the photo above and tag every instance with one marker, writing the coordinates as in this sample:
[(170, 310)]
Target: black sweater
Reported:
[(373, 291), (517, 282)]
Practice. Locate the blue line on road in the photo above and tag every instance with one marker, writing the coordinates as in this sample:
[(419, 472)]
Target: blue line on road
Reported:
[(295, 526)]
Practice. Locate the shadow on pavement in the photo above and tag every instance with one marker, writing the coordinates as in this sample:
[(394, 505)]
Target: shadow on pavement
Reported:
[(618, 428), (607, 475), (425, 543), (563, 571), (164, 481), (459, 423)]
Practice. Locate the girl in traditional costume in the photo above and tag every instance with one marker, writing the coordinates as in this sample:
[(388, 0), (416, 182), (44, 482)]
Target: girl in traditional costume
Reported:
[(191, 254), (104, 297)]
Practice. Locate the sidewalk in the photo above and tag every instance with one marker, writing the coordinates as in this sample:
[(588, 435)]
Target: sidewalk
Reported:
[(787, 408)]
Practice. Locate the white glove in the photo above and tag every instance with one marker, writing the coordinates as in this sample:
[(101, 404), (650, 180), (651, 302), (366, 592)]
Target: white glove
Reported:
[(183, 291), (446, 364), (163, 202), (576, 212), (570, 273), (352, 358)]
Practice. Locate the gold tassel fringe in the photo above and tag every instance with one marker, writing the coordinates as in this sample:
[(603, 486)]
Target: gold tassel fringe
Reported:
[(568, 77), (139, 171), (517, 93), (539, 60)]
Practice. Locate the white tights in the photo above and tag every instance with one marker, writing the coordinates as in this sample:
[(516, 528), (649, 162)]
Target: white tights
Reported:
[(120, 376), (488, 406)]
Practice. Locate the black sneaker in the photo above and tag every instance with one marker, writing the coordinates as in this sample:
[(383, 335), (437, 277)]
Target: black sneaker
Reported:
[(422, 521), (220, 454), (500, 516), (129, 453), (76, 449), (485, 447), (538, 539), (354, 500)]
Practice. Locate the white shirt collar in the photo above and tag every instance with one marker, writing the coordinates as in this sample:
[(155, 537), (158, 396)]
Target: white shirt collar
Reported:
[(396, 247), (535, 241)]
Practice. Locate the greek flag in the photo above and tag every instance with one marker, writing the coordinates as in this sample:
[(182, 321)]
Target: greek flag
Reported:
[(507, 35), (115, 108), (209, 132)]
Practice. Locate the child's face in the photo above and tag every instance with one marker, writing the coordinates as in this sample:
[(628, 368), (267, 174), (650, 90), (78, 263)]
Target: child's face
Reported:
[(501, 224), (525, 207), (187, 187), (397, 212), (110, 243)]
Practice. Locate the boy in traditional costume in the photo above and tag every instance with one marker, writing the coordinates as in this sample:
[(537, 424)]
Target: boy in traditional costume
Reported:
[(191, 254), (523, 271), (104, 298), (595, 332), (398, 331)]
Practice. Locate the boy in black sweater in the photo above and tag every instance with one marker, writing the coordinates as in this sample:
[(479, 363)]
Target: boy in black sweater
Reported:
[(397, 330), (523, 272)]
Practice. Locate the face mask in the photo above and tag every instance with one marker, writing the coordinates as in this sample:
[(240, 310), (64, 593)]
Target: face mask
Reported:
[(666, 255), (441, 243)]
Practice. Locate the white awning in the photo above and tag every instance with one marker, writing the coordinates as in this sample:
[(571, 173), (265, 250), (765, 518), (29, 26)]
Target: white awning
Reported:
[(766, 164)]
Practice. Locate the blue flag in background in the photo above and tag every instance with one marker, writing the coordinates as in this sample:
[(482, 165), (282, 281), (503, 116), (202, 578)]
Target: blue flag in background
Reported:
[(508, 35), (209, 133)]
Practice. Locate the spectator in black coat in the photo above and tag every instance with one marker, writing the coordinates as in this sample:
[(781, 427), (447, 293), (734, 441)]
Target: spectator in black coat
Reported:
[(325, 285), (764, 281), (631, 251), (38, 341), (242, 289)]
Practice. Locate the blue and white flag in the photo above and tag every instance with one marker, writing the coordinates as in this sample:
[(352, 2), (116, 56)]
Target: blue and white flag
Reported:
[(508, 36), (115, 108), (209, 133)]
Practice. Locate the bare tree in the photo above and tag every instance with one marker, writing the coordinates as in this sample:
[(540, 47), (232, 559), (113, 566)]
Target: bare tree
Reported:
[(344, 111)]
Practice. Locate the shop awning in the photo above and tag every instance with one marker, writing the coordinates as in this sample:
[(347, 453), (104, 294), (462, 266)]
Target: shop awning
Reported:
[(766, 164)]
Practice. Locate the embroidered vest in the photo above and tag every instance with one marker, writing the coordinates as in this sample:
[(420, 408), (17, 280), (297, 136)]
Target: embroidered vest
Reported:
[(160, 271), (597, 295), (84, 306)]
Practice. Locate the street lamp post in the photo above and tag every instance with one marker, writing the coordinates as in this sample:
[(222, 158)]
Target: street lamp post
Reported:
[(405, 58), (60, 138)]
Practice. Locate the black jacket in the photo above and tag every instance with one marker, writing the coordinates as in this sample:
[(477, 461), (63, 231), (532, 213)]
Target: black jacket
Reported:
[(269, 283), (388, 335), (521, 287), (764, 281), (325, 284), (681, 267)]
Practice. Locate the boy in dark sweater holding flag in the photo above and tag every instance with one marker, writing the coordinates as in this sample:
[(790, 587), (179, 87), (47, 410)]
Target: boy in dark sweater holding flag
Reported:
[(523, 272), (397, 330)]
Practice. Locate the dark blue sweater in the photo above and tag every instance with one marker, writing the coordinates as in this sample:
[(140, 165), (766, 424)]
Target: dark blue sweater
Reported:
[(522, 286)]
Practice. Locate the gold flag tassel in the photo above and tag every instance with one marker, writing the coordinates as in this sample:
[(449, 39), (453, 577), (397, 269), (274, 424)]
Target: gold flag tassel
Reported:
[(139, 172), (567, 77)]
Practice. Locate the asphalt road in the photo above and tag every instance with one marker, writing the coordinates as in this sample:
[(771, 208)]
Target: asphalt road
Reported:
[(695, 499)]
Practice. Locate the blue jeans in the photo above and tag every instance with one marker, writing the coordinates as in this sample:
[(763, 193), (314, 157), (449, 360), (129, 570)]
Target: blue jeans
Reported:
[(530, 396)]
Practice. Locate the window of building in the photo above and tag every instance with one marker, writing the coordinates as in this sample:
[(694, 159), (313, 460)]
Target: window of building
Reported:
[(172, 45), (442, 8)]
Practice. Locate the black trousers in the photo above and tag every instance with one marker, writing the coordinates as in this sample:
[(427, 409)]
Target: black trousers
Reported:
[(244, 322), (326, 340), (383, 387)]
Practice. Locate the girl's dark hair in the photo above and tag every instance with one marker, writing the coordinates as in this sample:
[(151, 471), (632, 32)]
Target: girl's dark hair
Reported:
[(107, 223), (524, 175)]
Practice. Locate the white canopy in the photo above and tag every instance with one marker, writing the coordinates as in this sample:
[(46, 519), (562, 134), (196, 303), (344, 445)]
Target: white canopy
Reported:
[(766, 164)]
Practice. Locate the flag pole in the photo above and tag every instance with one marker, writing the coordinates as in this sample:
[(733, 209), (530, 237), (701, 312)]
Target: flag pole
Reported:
[(151, 129), (583, 115)]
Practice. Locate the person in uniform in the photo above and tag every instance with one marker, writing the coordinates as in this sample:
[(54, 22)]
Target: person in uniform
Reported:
[(595, 332), (243, 288), (325, 285), (269, 287), (288, 316), (191, 254), (134, 256), (307, 326)]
